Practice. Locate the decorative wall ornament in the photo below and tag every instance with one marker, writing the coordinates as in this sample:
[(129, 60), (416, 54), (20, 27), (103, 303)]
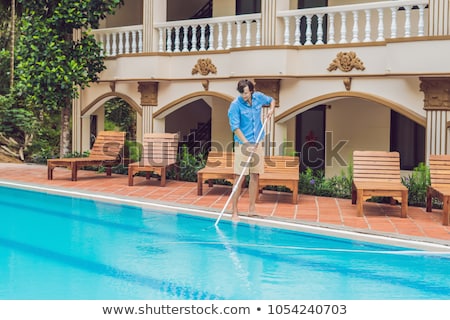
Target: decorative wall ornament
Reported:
[(205, 84), (112, 86), (149, 93), (436, 93), (348, 83), (204, 67), (270, 87), (346, 62)]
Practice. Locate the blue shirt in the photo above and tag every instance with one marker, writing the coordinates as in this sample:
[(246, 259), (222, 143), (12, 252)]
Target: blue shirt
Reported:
[(248, 118)]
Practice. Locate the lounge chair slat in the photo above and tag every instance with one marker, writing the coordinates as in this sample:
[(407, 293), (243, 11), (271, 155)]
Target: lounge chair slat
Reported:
[(160, 151), (377, 173), (107, 151)]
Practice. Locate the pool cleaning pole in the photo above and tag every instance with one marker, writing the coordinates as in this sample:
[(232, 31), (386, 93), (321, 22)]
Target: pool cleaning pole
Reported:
[(236, 183)]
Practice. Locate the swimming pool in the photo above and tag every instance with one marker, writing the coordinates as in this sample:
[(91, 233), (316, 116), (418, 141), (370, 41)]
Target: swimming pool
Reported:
[(59, 247)]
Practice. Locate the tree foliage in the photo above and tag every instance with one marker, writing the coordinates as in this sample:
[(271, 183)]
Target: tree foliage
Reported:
[(51, 63), (118, 113)]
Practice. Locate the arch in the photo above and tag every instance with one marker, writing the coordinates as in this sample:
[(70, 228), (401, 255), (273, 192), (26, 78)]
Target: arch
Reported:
[(163, 111), (91, 107), (344, 94)]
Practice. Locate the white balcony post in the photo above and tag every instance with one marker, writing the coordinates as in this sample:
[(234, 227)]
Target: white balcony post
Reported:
[(343, 27), (220, 36), (367, 29), (114, 44), (331, 28), (248, 33), (319, 29), (177, 40), (229, 35), (380, 36), (394, 22), (211, 37), (194, 38), (161, 40), (169, 40), (202, 37), (421, 24), (258, 32), (355, 27), (238, 34), (308, 30), (131, 42), (287, 31), (407, 21), (120, 44), (185, 38), (140, 41)]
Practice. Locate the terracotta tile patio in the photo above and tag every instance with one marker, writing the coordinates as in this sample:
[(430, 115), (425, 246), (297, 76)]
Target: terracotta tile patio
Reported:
[(330, 212)]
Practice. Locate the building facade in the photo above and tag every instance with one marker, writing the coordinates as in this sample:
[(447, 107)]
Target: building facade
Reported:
[(346, 74)]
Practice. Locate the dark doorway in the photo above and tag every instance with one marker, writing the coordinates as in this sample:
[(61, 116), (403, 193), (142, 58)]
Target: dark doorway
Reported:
[(408, 138), (310, 138)]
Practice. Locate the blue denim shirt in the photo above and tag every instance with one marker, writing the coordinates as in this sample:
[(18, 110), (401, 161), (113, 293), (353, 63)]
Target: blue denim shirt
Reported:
[(248, 118)]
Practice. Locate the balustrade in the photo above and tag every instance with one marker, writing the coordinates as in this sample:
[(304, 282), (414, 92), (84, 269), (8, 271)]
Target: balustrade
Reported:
[(368, 22)]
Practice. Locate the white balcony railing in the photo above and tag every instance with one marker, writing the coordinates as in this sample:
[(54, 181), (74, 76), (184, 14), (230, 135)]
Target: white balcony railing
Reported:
[(353, 23), (376, 21), (210, 34), (121, 40)]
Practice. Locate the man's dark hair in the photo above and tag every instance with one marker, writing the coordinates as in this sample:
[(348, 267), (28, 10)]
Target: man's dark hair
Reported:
[(245, 83)]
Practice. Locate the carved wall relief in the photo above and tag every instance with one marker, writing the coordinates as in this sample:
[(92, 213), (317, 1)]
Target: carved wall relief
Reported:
[(436, 92), (346, 62), (270, 87), (204, 67), (149, 93)]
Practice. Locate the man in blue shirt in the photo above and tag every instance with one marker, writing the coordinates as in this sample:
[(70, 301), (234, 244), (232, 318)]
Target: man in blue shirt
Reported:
[(244, 116)]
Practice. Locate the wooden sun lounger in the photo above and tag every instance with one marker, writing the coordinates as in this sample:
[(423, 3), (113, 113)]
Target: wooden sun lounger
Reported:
[(219, 165), (281, 171), (106, 151), (377, 173), (278, 170), (160, 152), (440, 184)]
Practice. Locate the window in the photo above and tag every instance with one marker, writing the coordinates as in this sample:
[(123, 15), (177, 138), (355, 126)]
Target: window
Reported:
[(248, 6), (408, 138)]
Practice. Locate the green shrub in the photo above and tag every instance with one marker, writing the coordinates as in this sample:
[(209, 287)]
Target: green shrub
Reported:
[(417, 184), (187, 165), (314, 182)]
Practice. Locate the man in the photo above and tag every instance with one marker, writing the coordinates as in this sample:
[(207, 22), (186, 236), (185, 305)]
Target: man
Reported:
[(244, 116)]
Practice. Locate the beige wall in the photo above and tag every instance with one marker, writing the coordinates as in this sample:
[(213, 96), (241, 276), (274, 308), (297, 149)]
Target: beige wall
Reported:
[(223, 8), (187, 117), (220, 128), (345, 2), (364, 125), (129, 14)]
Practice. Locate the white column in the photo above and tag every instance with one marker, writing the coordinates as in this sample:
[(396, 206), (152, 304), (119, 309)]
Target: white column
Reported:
[(269, 24), (154, 11), (436, 132), (439, 18), (437, 107), (147, 119)]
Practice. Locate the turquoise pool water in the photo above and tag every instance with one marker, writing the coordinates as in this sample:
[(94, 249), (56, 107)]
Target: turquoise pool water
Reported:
[(58, 247)]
